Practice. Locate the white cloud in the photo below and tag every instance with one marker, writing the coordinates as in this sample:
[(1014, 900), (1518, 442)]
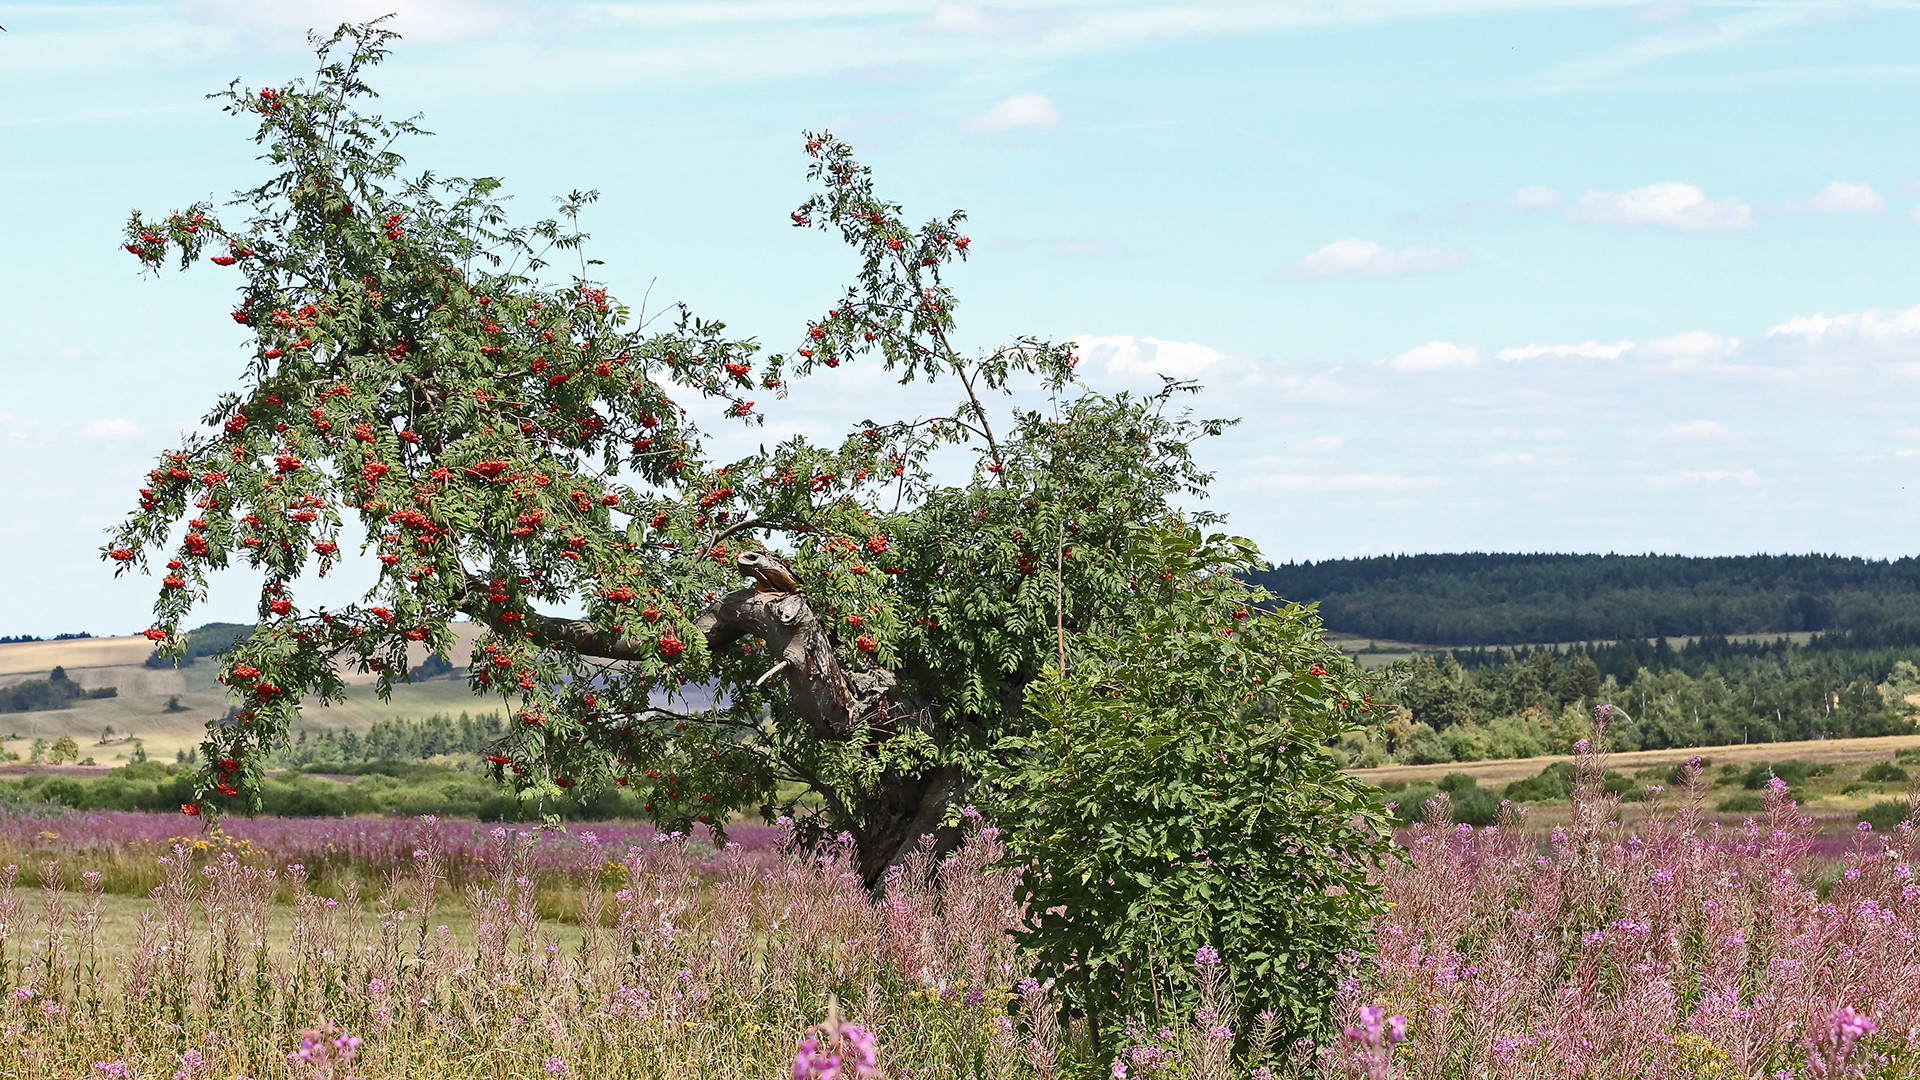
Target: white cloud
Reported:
[(1907, 434), (1019, 111), (1841, 197), (1590, 350), (1537, 197), (977, 20), (1435, 356), (1874, 324), (1693, 344), (113, 428), (1364, 258), (1671, 205), (1126, 356), (1696, 430)]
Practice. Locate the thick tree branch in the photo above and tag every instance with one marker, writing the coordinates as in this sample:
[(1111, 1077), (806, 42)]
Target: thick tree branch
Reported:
[(830, 698)]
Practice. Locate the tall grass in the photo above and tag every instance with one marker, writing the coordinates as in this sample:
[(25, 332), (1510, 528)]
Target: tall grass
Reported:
[(685, 968), (1677, 947)]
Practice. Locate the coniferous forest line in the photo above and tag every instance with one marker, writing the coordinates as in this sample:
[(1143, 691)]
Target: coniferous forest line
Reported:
[(1497, 691), (1482, 599)]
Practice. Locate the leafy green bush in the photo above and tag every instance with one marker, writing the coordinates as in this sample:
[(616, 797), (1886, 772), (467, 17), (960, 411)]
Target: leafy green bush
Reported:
[(1176, 790), (1884, 815), (1677, 773), (1794, 771), (1555, 782), (1473, 805), (1885, 772), (1425, 747), (1454, 781), (1743, 802), (1409, 804)]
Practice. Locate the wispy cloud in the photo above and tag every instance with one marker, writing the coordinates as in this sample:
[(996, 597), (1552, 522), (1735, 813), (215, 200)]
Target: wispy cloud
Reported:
[(1354, 257), (1435, 356), (1536, 197), (1696, 431), (1671, 205), (1588, 350), (1017, 112), (1126, 357), (1841, 197), (112, 428), (982, 21)]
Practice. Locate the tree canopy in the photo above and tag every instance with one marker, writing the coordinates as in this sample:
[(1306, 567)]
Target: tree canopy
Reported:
[(516, 442)]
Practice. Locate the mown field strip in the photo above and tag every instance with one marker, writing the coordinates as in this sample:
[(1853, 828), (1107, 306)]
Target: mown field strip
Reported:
[(1507, 770)]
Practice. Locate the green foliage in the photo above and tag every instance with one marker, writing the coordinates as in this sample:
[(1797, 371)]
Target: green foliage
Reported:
[(1885, 815), (1499, 599), (1454, 781), (1744, 802), (1884, 772), (1469, 704), (1553, 784), (1794, 771), (56, 691), (382, 788), (402, 739), (1474, 806), (64, 750), (1177, 790), (512, 439), (210, 639)]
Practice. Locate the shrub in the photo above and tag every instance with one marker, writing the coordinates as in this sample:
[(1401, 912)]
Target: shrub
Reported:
[(1454, 781), (1677, 775), (1425, 747), (1554, 783), (1410, 804), (1885, 772), (1884, 815), (1794, 771), (1177, 792), (1742, 802), (1473, 805)]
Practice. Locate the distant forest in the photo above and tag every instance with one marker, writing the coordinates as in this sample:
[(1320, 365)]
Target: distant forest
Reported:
[(1488, 599)]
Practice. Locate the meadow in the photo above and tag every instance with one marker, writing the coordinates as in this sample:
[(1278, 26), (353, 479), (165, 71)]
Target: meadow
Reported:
[(1672, 943)]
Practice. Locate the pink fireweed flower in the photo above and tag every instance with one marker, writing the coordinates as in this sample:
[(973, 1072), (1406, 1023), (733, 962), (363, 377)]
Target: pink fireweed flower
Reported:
[(836, 1050), (555, 1066), (1830, 1050)]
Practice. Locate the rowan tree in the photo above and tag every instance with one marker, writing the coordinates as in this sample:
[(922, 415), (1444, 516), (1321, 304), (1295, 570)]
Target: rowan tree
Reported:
[(515, 444)]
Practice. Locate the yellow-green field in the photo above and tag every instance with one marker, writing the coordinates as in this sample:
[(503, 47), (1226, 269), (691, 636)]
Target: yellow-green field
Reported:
[(140, 710)]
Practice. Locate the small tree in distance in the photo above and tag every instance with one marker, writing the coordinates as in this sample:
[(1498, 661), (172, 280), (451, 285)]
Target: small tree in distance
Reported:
[(513, 444)]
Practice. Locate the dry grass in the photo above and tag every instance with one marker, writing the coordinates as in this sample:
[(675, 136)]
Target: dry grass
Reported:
[(1839, 752)]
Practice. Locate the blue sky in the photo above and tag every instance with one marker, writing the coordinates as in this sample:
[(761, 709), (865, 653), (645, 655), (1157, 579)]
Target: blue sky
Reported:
[(1490, 276)]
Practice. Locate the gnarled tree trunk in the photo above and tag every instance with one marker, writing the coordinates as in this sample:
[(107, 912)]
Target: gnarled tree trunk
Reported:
[(833, 700)]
